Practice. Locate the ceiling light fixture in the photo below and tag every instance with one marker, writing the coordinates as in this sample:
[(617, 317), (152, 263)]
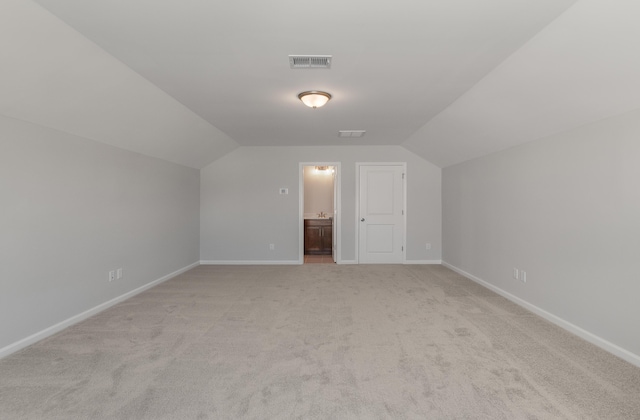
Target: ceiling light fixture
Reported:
[(314, 98)]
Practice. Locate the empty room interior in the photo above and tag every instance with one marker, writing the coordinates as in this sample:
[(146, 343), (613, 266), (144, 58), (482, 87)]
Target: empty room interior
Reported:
[(478, 218)]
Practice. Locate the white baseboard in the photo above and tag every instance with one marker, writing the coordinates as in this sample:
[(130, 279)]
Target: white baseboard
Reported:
[(19, 345), (406, 262), (423, 262), (270, 262), (584, 334), (249, 262), (297, 262)]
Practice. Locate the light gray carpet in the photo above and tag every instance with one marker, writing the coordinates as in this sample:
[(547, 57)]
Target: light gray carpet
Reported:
[(317, 342)]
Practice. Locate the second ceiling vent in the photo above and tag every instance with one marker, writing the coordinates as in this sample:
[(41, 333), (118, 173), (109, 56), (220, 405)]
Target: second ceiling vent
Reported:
[(310, 61), (351, 133)]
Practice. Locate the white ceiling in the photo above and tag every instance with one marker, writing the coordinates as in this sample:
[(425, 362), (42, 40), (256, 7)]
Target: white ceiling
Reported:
[(189, 80), (583, 67)]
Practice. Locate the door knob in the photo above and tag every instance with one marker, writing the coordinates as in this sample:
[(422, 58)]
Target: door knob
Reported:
[(362, 220)]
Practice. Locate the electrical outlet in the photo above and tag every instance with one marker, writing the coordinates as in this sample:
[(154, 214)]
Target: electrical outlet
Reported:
[(428, 246), (112, 275), (272, 247), (119, 273), (516, 274), (523, 276)]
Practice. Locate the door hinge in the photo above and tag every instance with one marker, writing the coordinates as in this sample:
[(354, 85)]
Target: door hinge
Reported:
[(402, 176), (403, 212), (402, 248)]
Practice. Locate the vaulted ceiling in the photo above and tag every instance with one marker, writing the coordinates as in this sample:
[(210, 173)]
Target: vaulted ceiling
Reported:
[(188, 81)]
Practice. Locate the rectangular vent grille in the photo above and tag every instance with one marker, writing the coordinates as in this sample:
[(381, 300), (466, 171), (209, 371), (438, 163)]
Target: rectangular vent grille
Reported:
[(310, 61), (351, 133)]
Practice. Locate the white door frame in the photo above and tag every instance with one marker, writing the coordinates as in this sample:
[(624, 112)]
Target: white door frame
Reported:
[(338, 217), (404, 204)]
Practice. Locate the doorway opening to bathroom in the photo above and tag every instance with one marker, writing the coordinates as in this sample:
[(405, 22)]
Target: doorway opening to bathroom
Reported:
[(319, 212)]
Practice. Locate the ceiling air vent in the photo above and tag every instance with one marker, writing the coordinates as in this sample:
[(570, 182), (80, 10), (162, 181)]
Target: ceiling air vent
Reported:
[(351, 133), (310, 61)]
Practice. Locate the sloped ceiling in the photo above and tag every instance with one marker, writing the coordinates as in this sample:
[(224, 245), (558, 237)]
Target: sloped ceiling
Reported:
[(188, 81), (53, 76), (583, 67)]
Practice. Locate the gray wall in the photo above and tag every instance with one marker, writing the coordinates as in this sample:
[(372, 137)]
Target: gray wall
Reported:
[(565, 209), (73, 209), (242, 211)]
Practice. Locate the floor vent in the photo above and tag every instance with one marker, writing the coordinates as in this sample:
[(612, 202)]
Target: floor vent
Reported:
[(310, 61), (351, 133)]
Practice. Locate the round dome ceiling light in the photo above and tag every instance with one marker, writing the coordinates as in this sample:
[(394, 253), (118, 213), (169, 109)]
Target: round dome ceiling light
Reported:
[(314, 98)]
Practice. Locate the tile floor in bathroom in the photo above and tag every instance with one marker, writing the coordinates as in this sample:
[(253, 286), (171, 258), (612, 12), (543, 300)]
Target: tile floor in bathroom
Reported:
[(318, 259)]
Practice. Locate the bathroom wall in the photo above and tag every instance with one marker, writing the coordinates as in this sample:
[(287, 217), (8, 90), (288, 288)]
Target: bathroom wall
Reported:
[(318, 191)]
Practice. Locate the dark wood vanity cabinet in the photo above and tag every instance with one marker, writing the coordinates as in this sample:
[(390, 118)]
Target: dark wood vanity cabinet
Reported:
[(317, 236)]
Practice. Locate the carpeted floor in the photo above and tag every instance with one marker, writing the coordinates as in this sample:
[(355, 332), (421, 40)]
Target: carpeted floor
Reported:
[(317, 342)]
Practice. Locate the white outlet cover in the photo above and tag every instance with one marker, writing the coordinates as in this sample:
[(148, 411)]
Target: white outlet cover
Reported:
[(119, 273)]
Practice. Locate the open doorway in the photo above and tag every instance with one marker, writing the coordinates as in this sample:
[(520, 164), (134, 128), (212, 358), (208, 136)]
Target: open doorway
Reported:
[(319, 212)]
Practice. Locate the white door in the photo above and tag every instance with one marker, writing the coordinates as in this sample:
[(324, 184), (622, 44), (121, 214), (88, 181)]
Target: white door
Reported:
[(381, 221), (334, 229)]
